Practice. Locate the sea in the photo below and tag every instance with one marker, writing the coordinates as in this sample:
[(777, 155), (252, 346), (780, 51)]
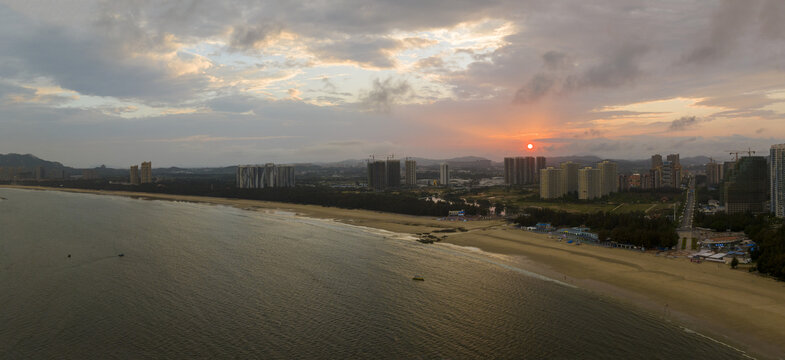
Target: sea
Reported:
[(200, 281)]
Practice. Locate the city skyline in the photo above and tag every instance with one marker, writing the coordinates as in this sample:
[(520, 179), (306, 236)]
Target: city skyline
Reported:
[(224, 83)]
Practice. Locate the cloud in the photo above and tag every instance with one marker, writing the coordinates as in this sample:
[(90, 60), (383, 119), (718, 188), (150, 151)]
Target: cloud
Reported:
[(429, 63), (683, 123), (366, 51), (736, 24), (208, 138), (555, 60), (250, 37), (537, 87), (621, 68), (386, 93), (617, 69), (99, 65)]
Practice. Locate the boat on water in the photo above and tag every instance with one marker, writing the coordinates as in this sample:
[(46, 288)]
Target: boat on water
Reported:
[(120, 255), (418, 278)]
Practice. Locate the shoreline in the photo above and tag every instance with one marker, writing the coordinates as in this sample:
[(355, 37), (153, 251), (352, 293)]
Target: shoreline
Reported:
[(730, 306)]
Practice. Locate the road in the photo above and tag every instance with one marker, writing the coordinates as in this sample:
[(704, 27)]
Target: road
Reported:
[(686, 225)]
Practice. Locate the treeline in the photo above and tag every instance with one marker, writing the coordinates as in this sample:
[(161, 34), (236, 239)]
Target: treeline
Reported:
[(766, 231), (749, 223), (633, 228), (401, 203)]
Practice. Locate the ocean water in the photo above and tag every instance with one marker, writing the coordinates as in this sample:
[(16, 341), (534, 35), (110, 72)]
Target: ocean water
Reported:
[(204, 281)]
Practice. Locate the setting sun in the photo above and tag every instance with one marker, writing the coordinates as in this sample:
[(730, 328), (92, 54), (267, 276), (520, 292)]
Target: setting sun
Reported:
[(530, 146)]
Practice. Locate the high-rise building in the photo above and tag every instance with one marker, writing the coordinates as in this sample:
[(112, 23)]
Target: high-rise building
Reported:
[(569, 175), (610, 177), (727, 167), (377, 175), (713, 173), (589, 185), (134, 175), (264, 176), (624, 183), (521, 170), (393, 172), (249, 177), (40, 173), (747, 187), (411, 172), (671, 175), (539, 164), (550, 183), (147, 173), (674, 158), (444, 174), (777, 179), (530, 170), (677, 170), (285, 176), (656, 161), (509, 171)]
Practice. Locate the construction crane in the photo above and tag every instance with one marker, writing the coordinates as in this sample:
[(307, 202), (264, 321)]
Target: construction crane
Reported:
[(749, 152), (735, 153)]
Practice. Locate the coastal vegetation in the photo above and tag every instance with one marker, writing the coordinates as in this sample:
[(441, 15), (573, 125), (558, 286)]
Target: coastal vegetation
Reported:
[(403, 202), (765, 230), (634, 228)]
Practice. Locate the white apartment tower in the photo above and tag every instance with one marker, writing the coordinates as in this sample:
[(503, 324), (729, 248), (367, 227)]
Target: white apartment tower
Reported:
[(411, 173), (444, 174), (610, 177), (550, 183), (589, 184)]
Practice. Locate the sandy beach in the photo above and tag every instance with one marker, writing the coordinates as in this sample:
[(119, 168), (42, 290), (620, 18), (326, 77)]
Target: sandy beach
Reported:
[(743, 310)]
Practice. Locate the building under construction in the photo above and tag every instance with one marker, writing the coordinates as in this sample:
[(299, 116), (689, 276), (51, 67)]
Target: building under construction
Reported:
[(383, 174)]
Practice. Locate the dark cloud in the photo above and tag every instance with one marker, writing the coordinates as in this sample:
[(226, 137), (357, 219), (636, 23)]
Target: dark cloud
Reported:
[(94, 66), (370, 51), (536, 88), (683, 123), (249, 37), (735, 25), (621, 68), (555, 60), (385, 94), (617, 69)]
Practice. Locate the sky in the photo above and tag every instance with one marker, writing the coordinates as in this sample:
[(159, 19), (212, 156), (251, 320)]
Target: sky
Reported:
[(217, 83)]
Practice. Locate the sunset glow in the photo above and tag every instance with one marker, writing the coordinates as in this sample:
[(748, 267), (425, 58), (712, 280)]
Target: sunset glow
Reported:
[(476, 80)]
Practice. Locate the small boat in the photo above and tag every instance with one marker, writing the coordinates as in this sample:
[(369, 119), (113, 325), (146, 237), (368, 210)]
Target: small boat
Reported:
[(120, 255), (418, 278)]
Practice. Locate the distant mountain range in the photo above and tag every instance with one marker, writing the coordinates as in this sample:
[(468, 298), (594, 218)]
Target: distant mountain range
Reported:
[(26, 161)]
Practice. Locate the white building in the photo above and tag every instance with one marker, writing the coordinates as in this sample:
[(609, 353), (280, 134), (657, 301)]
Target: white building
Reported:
[(269, 175), (609, 177), (444, 174), (411, 173)]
